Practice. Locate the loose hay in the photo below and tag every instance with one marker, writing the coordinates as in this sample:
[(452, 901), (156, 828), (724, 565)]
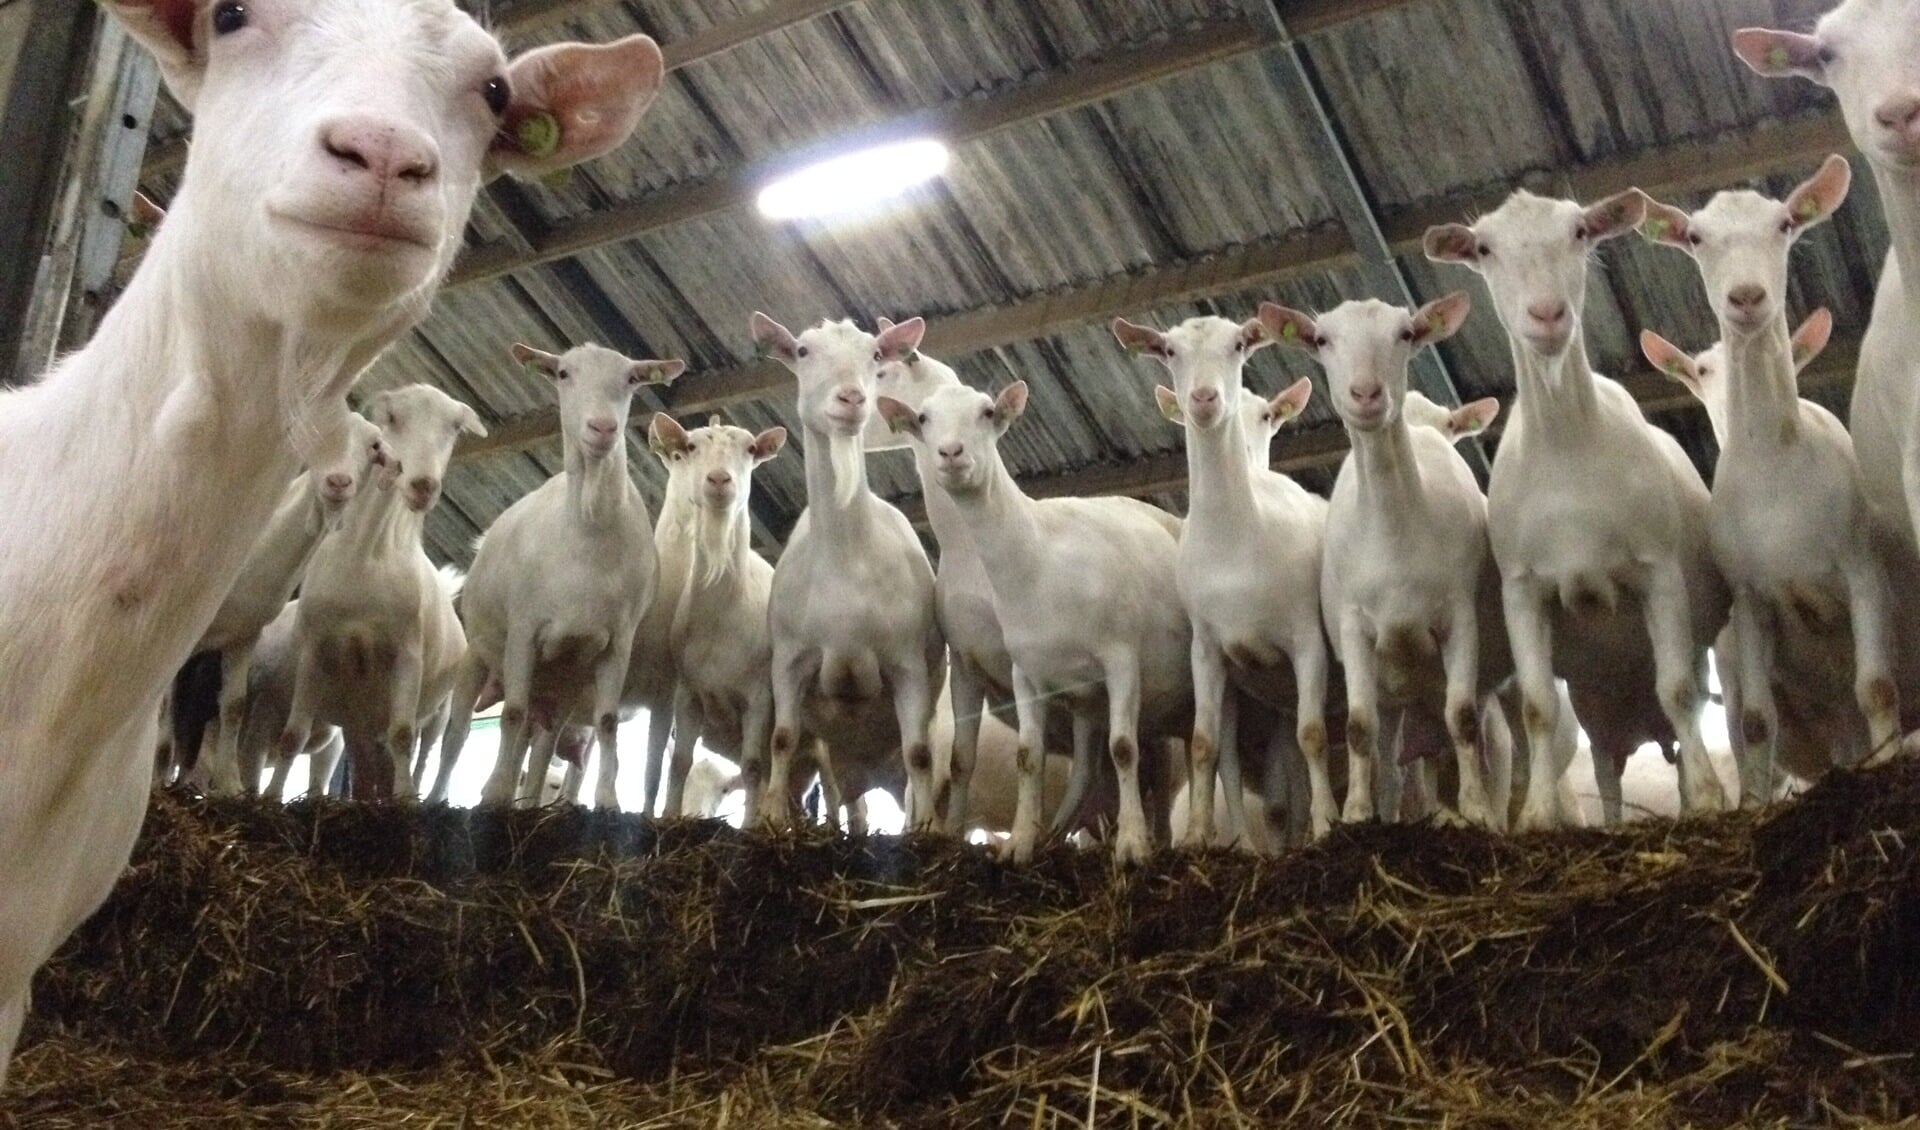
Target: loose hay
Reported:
[(349, 966)]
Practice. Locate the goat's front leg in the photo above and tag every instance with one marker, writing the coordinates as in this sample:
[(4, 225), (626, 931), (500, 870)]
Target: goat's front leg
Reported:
[(403, 719), (968, 692), (1312, 664), (1871, 608), (302, 705), (1029, 758), (1461, 656), (660, 726), (1530, 633), (1131, 843), (516, 693), (609, 679), (687, 724), (466, 691), (1680, 678), (791, 671), (1231, 782), (1363, 716), (1209, 705), (913, 712)]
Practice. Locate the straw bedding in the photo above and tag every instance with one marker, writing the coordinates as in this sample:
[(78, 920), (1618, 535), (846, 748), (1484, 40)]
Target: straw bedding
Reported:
[(350, 966)]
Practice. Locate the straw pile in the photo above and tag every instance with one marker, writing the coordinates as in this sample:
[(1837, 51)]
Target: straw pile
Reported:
[(349, 966)]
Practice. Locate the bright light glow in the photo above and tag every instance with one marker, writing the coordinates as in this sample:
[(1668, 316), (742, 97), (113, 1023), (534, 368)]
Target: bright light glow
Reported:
[(853, 180)]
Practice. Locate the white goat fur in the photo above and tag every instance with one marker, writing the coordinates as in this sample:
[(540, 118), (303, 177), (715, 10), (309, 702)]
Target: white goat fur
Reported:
[(1597, 519), (851, 610), (1868, 53), (1083, 590), (1806, 554), (719, 640), (146, 465), (1410, 593), (561, 580), (1248, 570), (377, 640)]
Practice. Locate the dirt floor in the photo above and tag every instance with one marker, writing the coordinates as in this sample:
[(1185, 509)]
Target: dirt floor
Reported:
[(343, 966)]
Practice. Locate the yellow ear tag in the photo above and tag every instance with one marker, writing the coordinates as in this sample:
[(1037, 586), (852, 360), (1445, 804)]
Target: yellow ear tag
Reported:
[(538, 134), (1435, 322), (1809, 210)]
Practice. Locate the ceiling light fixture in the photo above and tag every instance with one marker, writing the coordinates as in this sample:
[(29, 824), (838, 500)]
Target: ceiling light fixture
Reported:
[(853, 180)]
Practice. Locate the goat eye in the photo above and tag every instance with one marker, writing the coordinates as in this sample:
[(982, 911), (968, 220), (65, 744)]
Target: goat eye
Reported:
[(1825, 55), (1786, 225), (498, 94), (229, 17), (1482, 251), (800, 352), (1693, 239), (561, 375), (1239, 347), (1406, 334), (923, 419), (1580, 233)]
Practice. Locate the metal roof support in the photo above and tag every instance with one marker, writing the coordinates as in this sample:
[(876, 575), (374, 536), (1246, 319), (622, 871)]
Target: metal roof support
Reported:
[(1300, 83)]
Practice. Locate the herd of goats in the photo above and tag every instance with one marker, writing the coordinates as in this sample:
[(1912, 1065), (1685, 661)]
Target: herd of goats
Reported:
[(152, 509)]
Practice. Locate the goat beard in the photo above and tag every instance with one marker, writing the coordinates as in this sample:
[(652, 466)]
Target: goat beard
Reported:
[(845, 453), (716, 540)]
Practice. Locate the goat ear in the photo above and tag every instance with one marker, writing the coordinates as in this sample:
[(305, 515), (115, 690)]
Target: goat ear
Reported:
[(1616, 215), (897, 341), (1670, 359), (767, 444), (470, 422), (1441, 319), (1472, 419), (1663, 223), (1254, 334), (167, 28), (882, 325), (1135, 338), (899, 416), (144, 215), (536, 360), (658, 372), (1291, 401), (1780, 54), (771, 339), (1451, 243), (1169, 402), (665, 437), (574, 101), (1811, 337), (1821, 194), (1291, 327), (1009, 406)]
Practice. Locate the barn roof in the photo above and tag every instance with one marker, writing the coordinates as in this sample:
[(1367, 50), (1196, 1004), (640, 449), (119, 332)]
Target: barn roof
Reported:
[(1153, 158)]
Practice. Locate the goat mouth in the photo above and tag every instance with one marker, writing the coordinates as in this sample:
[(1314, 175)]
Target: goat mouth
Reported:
[(380, 234)]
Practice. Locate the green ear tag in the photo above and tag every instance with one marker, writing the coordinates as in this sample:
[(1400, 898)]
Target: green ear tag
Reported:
[(1675, 368), (1656, 228), (1778, 59), (1435, 322), (534, 369), (137, 230), (538, 134), (1809, 210), (1289, 331)]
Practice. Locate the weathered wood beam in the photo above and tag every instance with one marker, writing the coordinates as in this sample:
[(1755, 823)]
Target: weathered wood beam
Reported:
[(532, 15), (1324, 447), (1042, 316), (957, 122)]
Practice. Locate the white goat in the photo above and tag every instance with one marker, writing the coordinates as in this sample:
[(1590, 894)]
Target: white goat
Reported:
[(1598, 521), (377, 639), (721, 650), (851, 608), (310, 508), (1792, 528), (1410, 592), (1868, 53), (339, 149), (561, 580), (1084, 589), (1704, 374), (981, 671), (1249, 561)]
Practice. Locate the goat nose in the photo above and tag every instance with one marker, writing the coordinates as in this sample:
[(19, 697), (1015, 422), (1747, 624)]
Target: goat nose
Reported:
[(339, 482), (718, 478), (952, 450), (1902, 115), (1747, 295), (387, 151), (421, 484), (1366, 393), (1547, 312), (1204, 396), (602, 426), (852, 397)]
